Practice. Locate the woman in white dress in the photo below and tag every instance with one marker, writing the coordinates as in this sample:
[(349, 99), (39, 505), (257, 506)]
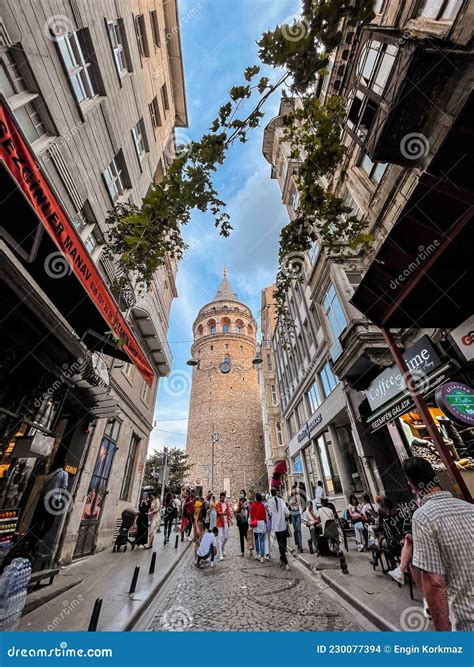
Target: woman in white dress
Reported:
[(154, 520)]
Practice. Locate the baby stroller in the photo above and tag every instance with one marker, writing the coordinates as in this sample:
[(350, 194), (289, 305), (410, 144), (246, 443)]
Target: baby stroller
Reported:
[(123, 537)]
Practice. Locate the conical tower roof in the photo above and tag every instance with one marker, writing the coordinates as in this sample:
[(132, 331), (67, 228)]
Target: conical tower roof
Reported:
[(225, 291)]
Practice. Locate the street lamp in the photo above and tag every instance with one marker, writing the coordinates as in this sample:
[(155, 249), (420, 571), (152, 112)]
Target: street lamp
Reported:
[(214, 439)]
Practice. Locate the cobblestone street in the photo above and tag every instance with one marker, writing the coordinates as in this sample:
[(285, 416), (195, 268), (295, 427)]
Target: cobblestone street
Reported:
[(240, 594)]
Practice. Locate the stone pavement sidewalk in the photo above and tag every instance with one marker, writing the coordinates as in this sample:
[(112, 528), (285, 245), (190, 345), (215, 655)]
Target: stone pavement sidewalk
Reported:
[(105, 575), (371, 592)]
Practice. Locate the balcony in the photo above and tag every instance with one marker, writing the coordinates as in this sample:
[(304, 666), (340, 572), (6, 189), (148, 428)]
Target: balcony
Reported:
[(147, 321), (392, 82)]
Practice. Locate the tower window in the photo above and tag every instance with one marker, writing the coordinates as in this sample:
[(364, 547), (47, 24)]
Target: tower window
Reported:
[(225, 328), (213, 329), (212, 347)]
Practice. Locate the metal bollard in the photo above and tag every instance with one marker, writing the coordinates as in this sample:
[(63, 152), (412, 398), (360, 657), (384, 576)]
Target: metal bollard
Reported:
[(95, 615), (133, 585), (342, 563), (152, 564), (176, 542)]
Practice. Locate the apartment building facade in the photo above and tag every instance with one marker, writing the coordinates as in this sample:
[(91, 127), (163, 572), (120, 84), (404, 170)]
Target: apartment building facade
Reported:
[(270, 394), (406, 77), (96, 90)]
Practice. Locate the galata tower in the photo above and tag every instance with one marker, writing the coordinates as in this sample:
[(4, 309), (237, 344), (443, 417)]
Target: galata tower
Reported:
[(225, 432)]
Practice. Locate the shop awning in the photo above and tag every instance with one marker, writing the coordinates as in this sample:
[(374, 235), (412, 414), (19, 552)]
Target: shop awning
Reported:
[(57, 260), (422, 276)]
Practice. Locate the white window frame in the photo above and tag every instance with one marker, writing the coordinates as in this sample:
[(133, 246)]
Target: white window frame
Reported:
[(114, 179), (140, 32), (145, 392), (165, 98), (78, 69), (375, 171), (140, 139), (333, 313), (155, 29), (155, 117), (274, 394), (440, 10), (279, 434), (118, 44)]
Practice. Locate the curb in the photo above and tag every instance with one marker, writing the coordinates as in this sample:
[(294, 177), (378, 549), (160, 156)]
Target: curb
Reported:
[(139, 611), (378, 621), (46, 596)]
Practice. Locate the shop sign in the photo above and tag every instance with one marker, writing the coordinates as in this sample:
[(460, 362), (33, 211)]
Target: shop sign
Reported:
[(405, 404), (457, 400), (463, 337), (17, 157), (309, 427), (421, 360)]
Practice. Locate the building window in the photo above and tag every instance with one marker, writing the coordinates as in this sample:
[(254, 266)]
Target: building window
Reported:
[(225, 328), (354, 279), (91, 243), (238, 329), (164, 97), (155, 113), (440, 10), (115, 177), (139, 139), (145, 392), (80, 63), (274, 394), (269, 362), (328, 465), (313, 252), (378, 6), (374, 170), (130, 468), (140, 31), (314, 397), (213, 329), (27, 106), (334, 313), (155, 29), (279, 434), (328, 379), (118, 44), (97, 492)]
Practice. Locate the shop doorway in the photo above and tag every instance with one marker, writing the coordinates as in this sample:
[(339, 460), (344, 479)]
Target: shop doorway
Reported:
[(97, 492)]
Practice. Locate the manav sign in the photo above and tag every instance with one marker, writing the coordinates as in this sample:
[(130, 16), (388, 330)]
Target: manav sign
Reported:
[(457, 400), (421, 359)]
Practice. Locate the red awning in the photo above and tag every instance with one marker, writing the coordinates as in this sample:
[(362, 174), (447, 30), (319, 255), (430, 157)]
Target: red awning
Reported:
[(279, 469), (18, 158)]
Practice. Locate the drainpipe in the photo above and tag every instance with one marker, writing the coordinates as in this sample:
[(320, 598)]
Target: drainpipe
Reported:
[(425, 414)]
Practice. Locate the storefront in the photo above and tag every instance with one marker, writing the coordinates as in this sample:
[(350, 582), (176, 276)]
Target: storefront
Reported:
[(323, 450), (53, 375)]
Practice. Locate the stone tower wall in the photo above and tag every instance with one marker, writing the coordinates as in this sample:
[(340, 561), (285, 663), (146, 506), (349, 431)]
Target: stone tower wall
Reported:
[(228, 403)]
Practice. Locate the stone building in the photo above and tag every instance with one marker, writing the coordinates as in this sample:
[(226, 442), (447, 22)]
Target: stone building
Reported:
[(269, 390), (97, 90), (406, 78), (225, 434)]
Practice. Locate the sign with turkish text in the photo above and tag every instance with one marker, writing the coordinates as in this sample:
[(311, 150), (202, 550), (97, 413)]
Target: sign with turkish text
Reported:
[(421, 360), (20, 161), (457, 400)]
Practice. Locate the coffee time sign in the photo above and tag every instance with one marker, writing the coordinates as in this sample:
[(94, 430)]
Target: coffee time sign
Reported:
[(421, 360)]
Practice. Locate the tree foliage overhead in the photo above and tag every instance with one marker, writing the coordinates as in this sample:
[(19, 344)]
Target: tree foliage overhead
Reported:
[(177, 470), (142, 237)]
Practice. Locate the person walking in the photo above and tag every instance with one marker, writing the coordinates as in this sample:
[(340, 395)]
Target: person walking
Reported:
[(319, 494), (268, 529), (258, 518), (141, 538), (224, 522), (279, 514), (170, 515), (442, 535), (154, 518), (294, 503), (241, 510)]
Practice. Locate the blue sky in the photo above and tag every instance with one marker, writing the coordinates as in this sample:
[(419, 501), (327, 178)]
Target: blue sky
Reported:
[(219, 41)]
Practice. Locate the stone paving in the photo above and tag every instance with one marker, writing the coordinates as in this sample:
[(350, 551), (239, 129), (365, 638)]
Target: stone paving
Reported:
[(242, 594)]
